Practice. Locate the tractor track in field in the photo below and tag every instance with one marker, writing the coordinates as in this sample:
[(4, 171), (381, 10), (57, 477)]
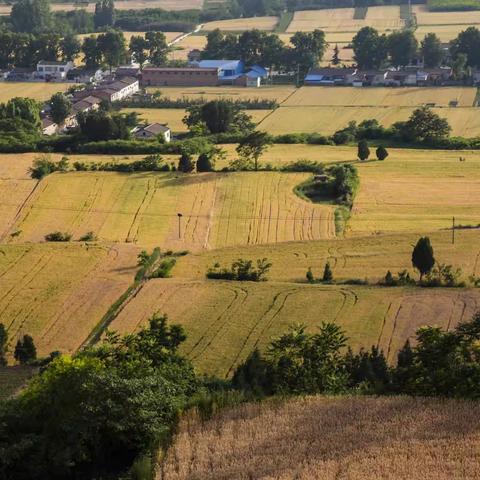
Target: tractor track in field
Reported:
[(11, 224), (269, 324), (15, 263), (142, 207), (383, 324), (269, 309), (227, 316), (87, 205), (26, 207)]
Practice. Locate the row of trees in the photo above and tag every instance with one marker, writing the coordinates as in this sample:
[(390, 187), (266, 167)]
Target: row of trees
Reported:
[(443, 363), (374, 50), (253, 46)]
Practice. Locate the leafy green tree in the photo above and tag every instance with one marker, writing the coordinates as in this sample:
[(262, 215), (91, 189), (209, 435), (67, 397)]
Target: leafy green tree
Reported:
[(369, 48), (112, 47), (104, 15), (432, 50), (60, 108), (253, 146), (402, 47), (467, 43), (363, 150), (220, 45), (3, 345), (8, 48), (157, 47), (92, 415), (252, 375), (186, 163), (424, 124), (31, 16), (422, 256), (327, 273), (70, 47), (205, 163), (25, 350), (308, 50), (138, 49), (459, 66), (100, 125), (381, 153), (91, 53), (25, 110)]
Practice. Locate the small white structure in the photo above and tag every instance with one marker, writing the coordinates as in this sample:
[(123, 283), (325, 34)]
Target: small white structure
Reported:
[(152, 131), (52, 70), (117, 90), (49, 127)]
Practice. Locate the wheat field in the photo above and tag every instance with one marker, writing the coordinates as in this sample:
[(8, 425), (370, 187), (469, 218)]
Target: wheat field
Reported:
[(382, 18), (241, 24), (58, 292), (37, 90), (355, 438), (218, 209)]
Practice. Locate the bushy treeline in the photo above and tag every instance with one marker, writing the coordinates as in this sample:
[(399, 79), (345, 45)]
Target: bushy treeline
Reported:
[(159, 101), (442, 363), (241, 270)]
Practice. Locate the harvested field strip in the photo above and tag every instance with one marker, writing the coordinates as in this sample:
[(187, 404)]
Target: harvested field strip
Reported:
[(217, 209), (12, 379), (37, 90), (56, 293), (367, 257), (327, 120), (238, 317), (330, 438), (381, 97)]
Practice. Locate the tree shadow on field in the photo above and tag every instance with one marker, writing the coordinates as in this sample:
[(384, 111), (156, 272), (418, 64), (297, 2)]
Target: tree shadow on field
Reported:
[(341, 431)]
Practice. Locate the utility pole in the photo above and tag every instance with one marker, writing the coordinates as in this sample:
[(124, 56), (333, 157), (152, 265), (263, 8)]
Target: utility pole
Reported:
[(453, 231), (179, 225)]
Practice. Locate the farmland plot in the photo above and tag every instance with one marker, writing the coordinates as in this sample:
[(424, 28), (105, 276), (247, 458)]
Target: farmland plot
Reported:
[(366, 257), (239, 317), (408, 195), (465, 122), (241, 24), (57, 293), (318, 437), (381, 97), (218, 209), (383, 18), (37, 90)]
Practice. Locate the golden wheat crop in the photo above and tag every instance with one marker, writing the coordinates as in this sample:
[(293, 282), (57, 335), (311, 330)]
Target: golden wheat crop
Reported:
[(355, 438)]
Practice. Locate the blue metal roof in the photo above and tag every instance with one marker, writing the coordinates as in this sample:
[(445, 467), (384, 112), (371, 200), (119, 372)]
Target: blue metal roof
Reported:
[(224, 64)]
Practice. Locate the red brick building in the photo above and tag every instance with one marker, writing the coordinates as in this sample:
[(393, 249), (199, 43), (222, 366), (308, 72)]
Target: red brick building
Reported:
[(179, 77)]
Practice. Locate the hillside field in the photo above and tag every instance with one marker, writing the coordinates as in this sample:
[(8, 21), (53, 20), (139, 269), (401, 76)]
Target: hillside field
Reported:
[(355, 438), (218, 209), (37, 90), (241, 24), (58, 292)]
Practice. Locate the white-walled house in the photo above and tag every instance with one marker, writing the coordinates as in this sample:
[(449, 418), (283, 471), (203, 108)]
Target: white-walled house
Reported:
[(53, 70), (152, 131)]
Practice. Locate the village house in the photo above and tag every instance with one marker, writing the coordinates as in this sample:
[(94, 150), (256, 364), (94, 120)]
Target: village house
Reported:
[(330, 76), (49, 127), (84, 75), (153, 130), (53, 70)]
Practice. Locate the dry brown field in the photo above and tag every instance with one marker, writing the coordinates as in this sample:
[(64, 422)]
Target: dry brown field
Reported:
[(465, 121), (58, 292), (384, 18), (381, 97), (37, 90), (240, 24), (218, 209), (181, 49), (355, 438), (128, 35)]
